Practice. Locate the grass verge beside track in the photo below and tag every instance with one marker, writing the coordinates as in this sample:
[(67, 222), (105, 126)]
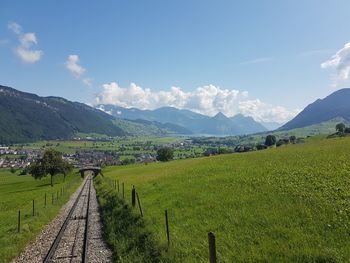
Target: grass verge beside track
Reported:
[(17, 193), (124, 230)]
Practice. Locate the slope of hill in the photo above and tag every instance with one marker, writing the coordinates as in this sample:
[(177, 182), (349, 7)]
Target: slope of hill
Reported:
[(278, 205), (26, 117), (150, 128), (333, 106), (247, 124), (194, 122)]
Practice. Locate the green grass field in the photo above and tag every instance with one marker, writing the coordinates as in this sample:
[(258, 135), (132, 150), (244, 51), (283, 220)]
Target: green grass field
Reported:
[(73, 146), (17, 193), (286, 204)]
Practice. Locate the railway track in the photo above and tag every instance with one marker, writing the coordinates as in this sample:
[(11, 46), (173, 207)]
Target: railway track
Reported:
[(71, 242)]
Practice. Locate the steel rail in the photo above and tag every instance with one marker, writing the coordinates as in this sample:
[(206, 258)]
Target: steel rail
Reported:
[(86, 239), (58, 238)]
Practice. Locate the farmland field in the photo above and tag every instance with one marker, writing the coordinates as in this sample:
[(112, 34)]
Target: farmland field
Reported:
[(17, 193), (287, 204), (73, 146)]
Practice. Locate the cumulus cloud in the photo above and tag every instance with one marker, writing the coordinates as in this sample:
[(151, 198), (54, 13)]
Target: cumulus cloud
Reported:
[(74, 67), (207, 100), (265, 112), (72, 64), (341, 62), (27, 40), (16, 28)]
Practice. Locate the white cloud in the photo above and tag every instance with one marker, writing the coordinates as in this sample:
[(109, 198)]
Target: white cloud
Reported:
[(341, 62), (87, 82), (27, 40), (28, 56), (78, 71), (102, 108), (265, 112), (208, 100), (16, 28), (257, 61), (72, 64)]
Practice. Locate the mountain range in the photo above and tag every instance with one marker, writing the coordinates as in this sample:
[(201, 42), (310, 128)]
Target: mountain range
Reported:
[(194, 122), (27, 117), (336, 105)]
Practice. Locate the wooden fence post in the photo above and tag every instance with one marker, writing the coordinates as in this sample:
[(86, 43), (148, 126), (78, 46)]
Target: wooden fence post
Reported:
[(33, 208), (167, 226), (133, 196), (212, 247), (123, 191), (118, 185), (138, 201), (19, 221)]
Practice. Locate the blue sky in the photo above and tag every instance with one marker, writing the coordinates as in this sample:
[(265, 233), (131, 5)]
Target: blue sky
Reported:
[(260, 58)]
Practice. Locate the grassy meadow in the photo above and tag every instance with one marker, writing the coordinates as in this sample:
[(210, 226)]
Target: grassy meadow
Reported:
[(286, 204), (17, 193), (73, 146)]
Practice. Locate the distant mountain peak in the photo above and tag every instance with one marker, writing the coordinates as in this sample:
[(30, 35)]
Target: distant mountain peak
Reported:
[(220, 115), (197, 123), (240, 116), (333, 106)]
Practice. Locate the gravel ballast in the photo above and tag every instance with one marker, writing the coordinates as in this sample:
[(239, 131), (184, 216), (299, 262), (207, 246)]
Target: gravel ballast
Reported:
[(97, 249)]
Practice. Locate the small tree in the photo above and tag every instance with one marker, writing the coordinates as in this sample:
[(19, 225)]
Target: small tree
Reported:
[(292, 139), (261, 147), (165, 154), (340, 127), (280, 143), (270, 140), (51, 163)]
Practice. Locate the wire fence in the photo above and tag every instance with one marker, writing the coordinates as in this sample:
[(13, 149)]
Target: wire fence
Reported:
[(212, 253)]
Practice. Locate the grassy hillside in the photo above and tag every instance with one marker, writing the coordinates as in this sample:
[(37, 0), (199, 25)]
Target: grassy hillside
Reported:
[(17, 193), (287, 204), (324, 128), (143, 128), (27, 117)]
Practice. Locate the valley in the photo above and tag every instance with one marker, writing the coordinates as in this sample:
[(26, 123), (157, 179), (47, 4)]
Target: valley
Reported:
[(283, 200), (174, 131)]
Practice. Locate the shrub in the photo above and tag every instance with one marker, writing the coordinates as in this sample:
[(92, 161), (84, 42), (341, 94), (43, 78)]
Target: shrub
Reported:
[(292, 139), (280, 143), (340, 127), (224, 150), (127, 161), (270, 140), (261, 147), (165, 154)]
